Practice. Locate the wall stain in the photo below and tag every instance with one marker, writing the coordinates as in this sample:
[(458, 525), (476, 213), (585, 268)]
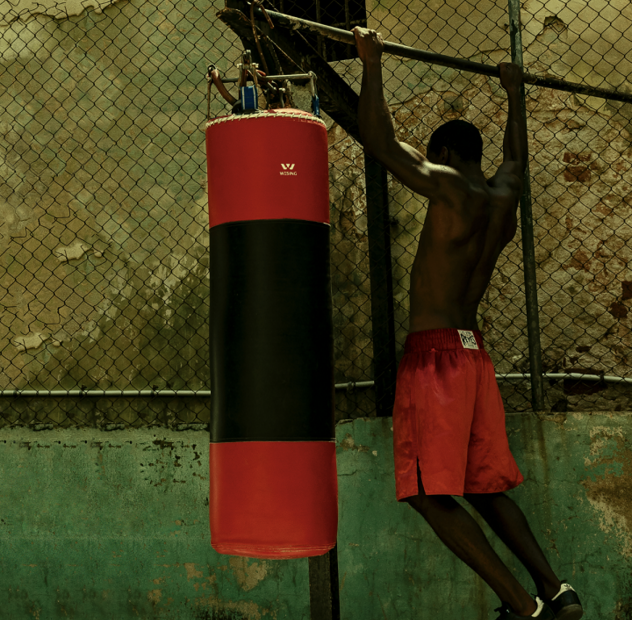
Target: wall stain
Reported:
[(192, 572), (348, 443), (248, 576), (610, 493), (211, 608), (623, 610), (218, 614)]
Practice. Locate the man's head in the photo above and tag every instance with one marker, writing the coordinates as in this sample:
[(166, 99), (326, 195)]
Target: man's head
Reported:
[(456, 138)]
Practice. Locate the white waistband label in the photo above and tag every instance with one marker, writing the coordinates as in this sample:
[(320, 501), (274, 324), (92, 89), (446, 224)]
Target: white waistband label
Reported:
[(467, 339)]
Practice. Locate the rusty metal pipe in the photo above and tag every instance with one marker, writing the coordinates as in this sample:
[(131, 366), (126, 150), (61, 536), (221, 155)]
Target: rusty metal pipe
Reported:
[(404, 51), (352, 385), (528, 239), (264, 78)]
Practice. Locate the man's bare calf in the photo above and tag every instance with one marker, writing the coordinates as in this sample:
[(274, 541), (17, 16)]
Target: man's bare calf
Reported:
[(458, 530), (510, 525)]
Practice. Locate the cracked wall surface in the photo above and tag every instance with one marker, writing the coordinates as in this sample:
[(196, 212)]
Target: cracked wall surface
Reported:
[(103, 216), (609, 488), (117, 525), (12, 10)]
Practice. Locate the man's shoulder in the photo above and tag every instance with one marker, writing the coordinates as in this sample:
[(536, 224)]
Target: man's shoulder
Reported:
[(509, 180), (460, 189), (460, 193)]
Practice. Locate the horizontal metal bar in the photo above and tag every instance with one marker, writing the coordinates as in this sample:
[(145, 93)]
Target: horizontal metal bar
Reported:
[(576, 376), (355, 384), (107, 393), (296, 76), (142, 393), (404, 51), (352, 385)]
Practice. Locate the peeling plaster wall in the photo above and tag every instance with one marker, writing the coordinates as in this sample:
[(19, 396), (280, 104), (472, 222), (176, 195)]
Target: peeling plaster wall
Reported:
[(103, 242), (23, 9), (104, 525), (103, 236), (103, 216), (581, 184)]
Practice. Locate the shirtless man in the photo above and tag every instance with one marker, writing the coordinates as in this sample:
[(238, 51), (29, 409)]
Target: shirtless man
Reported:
[(448, 421)]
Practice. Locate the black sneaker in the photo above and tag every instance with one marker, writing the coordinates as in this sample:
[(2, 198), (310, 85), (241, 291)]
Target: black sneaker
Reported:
[(565, 604), (543, 612)]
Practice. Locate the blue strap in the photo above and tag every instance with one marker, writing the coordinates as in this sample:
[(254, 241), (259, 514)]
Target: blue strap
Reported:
[(249, 98)]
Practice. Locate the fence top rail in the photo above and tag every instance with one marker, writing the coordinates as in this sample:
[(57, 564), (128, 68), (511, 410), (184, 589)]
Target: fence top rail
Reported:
[(350, 386), (403, 51)]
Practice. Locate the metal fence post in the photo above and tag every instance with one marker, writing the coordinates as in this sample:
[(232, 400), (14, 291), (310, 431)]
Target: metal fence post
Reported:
[(526, 221), (382, 311), (324, 589)]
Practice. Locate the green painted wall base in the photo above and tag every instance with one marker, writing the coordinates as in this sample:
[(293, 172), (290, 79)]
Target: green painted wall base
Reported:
[(577, 497), (102, 525)]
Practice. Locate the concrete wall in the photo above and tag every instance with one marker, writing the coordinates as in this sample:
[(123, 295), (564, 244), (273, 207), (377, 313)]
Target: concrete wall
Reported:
[(102, 525), (576, 496)]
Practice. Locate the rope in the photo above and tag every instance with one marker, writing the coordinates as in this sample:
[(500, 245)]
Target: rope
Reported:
[(268, 114)]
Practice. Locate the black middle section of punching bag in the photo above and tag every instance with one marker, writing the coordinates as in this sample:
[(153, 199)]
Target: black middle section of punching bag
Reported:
[(271, 332)]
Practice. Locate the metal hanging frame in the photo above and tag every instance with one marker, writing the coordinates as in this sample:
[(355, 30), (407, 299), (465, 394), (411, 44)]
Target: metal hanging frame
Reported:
[(404, 51)]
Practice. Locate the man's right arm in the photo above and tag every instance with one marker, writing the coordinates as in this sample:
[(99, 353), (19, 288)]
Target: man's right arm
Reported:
[(515, 145), (377, 132), (509, 177)]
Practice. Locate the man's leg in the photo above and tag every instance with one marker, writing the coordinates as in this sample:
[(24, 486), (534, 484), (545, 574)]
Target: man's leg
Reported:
[(458, 530), (511, 526)]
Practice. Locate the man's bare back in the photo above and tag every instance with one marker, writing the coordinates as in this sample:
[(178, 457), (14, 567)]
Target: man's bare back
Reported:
[(470, 220), (463, 235)]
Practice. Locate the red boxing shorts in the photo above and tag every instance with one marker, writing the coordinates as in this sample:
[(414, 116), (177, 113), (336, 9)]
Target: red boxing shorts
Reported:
[(449, 417)]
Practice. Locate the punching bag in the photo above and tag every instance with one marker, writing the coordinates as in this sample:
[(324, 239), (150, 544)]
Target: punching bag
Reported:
[(272, 459)]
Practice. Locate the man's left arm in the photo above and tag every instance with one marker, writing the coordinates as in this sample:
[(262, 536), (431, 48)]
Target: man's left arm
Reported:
[(378, 134)]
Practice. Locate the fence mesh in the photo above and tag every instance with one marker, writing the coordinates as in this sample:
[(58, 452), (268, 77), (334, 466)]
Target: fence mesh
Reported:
[(103, 217), (582, 193)]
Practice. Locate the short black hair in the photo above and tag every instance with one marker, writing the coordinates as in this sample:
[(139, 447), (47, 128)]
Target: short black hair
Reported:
[(461, 137)]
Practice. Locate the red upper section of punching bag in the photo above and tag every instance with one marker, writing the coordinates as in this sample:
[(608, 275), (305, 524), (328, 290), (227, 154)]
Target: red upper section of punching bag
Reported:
[(273, 499), (267, 166)]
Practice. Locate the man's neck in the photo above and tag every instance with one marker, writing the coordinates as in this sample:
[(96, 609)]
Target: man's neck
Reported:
[(473, 174)]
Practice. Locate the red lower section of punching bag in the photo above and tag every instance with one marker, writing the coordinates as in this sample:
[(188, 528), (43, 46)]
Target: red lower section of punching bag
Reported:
[(273, 499)]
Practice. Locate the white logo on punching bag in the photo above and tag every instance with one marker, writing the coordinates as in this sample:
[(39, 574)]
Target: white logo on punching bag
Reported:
[(287, 170)]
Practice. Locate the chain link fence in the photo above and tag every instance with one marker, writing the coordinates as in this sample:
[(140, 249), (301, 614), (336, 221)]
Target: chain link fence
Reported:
[(103, 225), (103, 215), (581, 184), (582, 194)]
